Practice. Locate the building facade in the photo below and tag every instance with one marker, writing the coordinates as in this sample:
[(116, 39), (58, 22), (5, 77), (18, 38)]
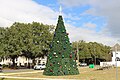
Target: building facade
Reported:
[(23, 61), (115, 52), (116, 58)]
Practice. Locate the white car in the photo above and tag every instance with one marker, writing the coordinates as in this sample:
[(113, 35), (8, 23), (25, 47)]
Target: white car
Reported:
[(83, 64), (39, 67)]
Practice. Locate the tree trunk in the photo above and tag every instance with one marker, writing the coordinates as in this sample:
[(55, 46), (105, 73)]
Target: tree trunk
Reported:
[(33, 62), (13, 65)]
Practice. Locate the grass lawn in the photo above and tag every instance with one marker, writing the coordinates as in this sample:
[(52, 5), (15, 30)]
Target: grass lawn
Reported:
[(10, 79), (85, 74)]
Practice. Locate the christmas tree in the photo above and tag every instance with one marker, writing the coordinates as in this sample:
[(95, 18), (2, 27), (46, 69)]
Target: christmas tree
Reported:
[(61, 59)]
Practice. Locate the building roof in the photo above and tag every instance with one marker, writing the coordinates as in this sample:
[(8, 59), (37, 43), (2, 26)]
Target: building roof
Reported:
[(116, 47)]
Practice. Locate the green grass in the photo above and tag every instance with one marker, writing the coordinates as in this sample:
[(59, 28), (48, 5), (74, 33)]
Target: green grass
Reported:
[(11, 79), (85, 74)]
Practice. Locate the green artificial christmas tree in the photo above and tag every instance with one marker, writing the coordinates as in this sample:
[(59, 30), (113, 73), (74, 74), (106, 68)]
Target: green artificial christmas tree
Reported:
[(61, 59)]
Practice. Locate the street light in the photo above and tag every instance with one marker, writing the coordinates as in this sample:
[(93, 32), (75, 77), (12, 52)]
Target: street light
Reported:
[(94, 55), (77, 54), (116, 63)]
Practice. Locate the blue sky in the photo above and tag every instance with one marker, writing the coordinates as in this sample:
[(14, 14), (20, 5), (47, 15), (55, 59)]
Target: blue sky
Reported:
[(74, 14), (89, 20)]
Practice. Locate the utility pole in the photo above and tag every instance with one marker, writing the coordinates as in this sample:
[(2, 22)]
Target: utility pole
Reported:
[(94, 55), (77, 53), (116, 63)]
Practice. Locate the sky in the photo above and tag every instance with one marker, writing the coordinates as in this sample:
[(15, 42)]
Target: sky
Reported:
[(88, 20)]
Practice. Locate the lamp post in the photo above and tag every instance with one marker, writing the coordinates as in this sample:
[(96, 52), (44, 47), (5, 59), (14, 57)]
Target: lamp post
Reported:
[(116, 63), (94, 56), (77, 53)]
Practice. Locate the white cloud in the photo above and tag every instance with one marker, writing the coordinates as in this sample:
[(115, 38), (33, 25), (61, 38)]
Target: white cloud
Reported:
[(89, 25), (78, 33), (107, 8), (25, 11), (70, 3), (110, 9)]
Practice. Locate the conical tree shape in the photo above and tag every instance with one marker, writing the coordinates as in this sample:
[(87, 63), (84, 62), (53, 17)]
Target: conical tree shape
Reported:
[(61, 59)]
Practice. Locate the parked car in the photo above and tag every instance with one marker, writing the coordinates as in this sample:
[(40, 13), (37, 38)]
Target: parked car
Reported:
[(83, 64), (39, 67), (0, 68)]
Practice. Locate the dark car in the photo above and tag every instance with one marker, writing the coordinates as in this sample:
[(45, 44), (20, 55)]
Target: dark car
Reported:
[(0, 68)]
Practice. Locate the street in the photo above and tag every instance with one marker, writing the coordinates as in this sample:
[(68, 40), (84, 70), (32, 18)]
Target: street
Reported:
[(16, 70)]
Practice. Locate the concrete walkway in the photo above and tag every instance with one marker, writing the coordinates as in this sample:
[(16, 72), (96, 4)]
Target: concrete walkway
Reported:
[(21, 72), (33, 78), (7, 75)]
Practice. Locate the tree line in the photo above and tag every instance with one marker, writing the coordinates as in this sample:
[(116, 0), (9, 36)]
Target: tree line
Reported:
[(33, 39), (91, 52), (30, 40)]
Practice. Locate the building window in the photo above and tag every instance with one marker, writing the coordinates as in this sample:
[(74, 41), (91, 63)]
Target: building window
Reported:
[(39, 61), (112, 55), (19, 64), (43, 62)]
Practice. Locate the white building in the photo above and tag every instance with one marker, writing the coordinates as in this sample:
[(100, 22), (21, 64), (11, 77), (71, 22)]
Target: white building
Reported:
[(115, 52), (116, 55), (23, 61)]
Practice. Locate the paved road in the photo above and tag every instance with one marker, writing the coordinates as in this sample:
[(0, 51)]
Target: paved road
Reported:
[(17, 70), (25, 72)]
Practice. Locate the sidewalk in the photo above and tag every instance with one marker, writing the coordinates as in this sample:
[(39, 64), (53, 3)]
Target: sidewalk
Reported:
[(7, 75), (33, 78), (20, 72)]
